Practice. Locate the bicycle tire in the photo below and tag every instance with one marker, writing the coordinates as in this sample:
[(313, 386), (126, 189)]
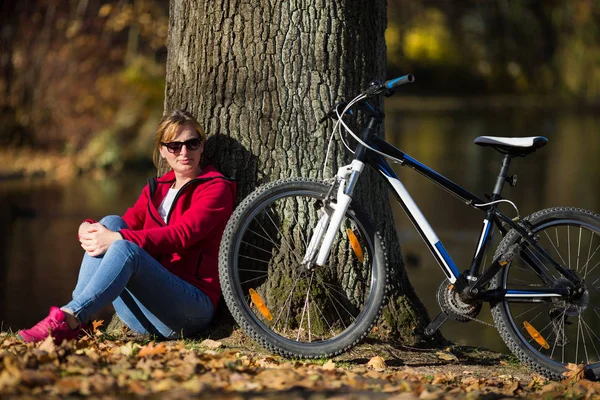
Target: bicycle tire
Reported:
[(240, 236), (542, 334)]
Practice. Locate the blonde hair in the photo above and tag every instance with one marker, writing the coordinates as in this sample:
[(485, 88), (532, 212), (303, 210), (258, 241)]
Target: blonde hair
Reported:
[(169, 127)]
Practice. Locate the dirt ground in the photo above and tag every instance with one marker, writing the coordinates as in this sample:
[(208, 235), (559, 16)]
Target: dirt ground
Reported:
[(453, 360), (105, 366)]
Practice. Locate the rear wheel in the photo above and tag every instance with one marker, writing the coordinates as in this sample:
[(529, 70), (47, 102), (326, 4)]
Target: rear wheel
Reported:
[(288, 308), (550, 332)]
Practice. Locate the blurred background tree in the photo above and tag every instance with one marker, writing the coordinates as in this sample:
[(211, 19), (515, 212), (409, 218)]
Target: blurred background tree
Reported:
[(84, 79), (548, 47)]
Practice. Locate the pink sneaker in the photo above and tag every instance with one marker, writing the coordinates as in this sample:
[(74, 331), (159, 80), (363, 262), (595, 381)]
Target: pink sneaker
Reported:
[(54, 324)]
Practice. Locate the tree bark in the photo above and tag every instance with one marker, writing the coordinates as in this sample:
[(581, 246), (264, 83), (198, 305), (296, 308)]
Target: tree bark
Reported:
[(259, 75)]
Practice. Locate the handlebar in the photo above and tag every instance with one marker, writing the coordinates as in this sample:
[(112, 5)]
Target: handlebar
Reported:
[(394, 83), (375, 88)]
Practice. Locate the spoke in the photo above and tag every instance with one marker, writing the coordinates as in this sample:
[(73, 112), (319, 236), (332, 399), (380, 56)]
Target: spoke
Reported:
[(590, 332), (323, 317), (569, 244), (256, 247), (343, 294), (555, 248), (304, 309), (297, 223), (578, 249), (334, 288), (253, 270), (283, 239), (595, 310), (540, 331), (577, 342), (333, 304), (590, 271), (588, 257), (562, 333), (580, 327), (254, 279), (525, 312), (253, 259), (345, 309), (268, 239), (285, 302)]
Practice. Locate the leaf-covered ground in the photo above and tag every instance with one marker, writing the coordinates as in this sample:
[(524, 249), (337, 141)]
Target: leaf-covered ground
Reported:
[(107, 366)]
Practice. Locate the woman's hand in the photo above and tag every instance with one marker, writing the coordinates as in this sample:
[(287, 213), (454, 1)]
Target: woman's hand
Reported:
[(83, 228), (96, 238)]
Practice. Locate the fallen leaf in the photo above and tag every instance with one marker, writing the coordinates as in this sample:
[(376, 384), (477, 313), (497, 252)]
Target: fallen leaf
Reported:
[(553, 387), (573, 373), (136, 388), (47, 345), (211, 344), (427, 395), (446, 355), (150, 350), (329, 365), (512, 389), (267, 362), (129, 349), (164, 385), (536, 381), (68, 385), (97, 324), (278, 379), (377, 363)]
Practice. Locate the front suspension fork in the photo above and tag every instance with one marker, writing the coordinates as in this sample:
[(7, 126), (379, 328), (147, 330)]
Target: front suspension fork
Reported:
[(333, 213)]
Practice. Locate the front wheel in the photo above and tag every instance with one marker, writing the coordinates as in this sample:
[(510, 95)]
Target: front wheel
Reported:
[(287, 307), (552, 333)]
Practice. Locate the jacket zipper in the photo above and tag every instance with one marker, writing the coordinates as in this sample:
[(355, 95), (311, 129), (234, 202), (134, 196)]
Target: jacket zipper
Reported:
[(177, 197), (152, 215), (181, 191)]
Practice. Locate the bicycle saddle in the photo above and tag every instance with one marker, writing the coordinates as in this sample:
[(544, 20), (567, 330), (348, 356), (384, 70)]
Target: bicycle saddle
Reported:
[(517, 147)]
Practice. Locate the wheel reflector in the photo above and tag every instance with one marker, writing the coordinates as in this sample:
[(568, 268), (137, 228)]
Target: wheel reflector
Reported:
[(536, 335), (260, 304), (355, 245)]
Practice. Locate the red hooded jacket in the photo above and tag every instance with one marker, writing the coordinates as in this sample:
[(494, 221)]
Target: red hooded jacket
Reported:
[(188, 244)]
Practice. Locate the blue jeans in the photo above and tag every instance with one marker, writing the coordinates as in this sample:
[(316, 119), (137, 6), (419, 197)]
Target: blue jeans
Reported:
[(146, 296)]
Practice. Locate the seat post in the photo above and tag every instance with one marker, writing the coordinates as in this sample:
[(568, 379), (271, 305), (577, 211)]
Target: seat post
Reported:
[(501, 180)]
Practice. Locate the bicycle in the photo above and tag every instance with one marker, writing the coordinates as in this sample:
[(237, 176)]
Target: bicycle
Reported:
[(304, 272)]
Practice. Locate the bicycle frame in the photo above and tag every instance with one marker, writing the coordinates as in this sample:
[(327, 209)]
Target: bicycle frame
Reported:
[(471, 278)]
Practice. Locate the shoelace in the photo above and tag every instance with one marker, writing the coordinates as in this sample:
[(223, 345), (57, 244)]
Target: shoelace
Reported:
[(48, 322)]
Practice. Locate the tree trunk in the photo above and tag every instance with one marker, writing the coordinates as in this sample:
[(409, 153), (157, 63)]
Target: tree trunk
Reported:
[(260, 75)]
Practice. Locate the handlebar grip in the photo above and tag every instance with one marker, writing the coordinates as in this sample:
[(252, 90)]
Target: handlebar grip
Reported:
[(394, 83)]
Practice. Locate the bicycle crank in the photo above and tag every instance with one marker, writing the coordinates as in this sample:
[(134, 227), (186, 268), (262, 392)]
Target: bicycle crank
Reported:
[(453, 308)]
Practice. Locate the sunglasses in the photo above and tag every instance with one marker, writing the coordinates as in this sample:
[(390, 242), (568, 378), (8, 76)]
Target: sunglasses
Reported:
[(175, 147)]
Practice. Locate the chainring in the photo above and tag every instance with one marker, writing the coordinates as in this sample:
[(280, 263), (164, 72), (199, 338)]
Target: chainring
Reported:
[(453, 306)]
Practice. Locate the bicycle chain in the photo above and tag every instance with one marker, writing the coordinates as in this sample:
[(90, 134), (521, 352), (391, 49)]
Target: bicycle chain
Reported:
[(481, 321), (462, 315)]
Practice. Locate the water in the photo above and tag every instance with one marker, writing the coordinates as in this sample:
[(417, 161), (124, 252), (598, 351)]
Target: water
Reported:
[(563, 173), (40, 254), (39, 250)]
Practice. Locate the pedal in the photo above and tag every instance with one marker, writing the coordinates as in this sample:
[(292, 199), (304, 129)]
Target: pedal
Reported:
[(435, 325)]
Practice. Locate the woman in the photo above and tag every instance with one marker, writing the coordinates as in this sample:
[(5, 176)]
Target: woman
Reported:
[(158, 263)]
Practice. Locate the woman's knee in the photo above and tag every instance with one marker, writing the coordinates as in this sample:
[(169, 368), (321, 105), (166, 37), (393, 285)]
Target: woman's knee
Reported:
[(113, 222), (124, 248)]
